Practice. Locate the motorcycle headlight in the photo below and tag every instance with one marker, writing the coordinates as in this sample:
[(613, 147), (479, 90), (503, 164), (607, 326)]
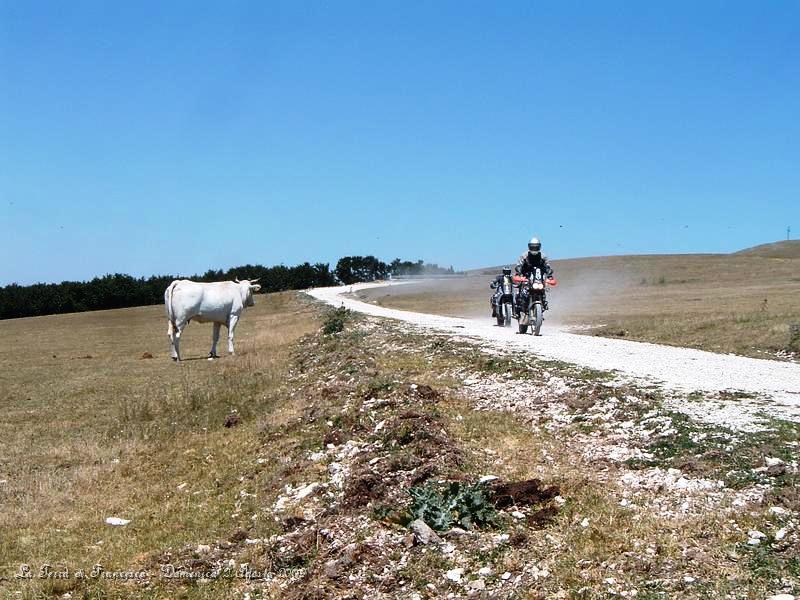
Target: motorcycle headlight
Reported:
[(538, 285)]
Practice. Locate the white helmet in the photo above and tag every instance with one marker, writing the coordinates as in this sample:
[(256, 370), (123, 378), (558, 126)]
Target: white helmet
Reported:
[(535, 245)]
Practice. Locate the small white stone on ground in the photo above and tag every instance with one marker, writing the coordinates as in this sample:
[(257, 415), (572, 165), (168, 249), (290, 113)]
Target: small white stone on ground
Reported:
[(116, 521), (484, 571), (306, 491), (505, 576), (423, 534), (455, 574), (585, 522)]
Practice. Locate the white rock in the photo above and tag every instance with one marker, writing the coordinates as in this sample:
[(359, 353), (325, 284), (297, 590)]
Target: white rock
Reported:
[(688, 579), (423, 534), (610, 581), (781, 597), (778, 510), (781, 533), (505, 576), (484, 571), (203, 549), (753, 542), (455, 574), (477, 584), (182, 486), (585, 522), (306, 491), (755, 533), (117, 522), (487, 478), (518, 515), (771, 461)]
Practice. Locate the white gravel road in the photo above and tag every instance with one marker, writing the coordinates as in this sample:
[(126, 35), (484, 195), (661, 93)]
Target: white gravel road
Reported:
[(680, 370)]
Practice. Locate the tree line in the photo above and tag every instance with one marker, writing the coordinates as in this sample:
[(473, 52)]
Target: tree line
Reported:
[(122, 291)]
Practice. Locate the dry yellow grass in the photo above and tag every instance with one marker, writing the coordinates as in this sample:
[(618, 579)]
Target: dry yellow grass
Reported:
[(83, 438), (91, 429)]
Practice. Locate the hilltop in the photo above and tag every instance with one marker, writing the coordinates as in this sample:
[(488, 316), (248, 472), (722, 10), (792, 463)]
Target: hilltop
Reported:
[(784, 249)]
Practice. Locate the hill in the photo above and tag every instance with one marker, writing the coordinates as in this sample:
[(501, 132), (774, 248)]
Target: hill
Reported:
[(784, 249)]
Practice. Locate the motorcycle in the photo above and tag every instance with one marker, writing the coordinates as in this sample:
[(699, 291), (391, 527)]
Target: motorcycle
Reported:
[(503, 301), (532, 300)]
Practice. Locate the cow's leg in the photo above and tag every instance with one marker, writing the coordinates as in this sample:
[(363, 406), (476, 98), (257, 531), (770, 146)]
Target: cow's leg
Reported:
[(176, 340), (170, 334), (231, 327), (214, 340)]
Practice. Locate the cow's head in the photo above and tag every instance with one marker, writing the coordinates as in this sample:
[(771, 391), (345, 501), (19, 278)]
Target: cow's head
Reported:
[(247, 288)]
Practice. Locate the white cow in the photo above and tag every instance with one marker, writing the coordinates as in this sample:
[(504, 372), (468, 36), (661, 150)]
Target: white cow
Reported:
[(220, 303)]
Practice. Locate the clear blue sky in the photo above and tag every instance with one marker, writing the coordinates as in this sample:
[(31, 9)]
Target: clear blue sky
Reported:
[(171, 137)]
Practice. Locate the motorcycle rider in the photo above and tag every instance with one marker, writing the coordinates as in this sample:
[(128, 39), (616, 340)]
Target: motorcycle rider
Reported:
[(497, 285), (529, 261)]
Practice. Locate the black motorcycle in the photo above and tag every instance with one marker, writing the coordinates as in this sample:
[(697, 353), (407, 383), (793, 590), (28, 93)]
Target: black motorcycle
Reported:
[(503, 301), (532, 300)]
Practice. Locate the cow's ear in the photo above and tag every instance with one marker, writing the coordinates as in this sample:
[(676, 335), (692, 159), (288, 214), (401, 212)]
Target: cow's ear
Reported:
[(255, 288)]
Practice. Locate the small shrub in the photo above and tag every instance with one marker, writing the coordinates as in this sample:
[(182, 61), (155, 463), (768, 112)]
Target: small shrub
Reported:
[(794, 338), (443, 506), (335, 320)]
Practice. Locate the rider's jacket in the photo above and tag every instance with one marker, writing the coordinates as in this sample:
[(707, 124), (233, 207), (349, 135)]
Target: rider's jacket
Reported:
[(528, 262), (497, 284)]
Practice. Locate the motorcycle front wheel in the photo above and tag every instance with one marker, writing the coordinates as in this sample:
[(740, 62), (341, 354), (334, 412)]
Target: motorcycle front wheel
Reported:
[(507, 314), (538, 317)]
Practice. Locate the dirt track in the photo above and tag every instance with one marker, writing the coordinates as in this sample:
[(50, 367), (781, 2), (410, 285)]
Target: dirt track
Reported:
[(774, 386)]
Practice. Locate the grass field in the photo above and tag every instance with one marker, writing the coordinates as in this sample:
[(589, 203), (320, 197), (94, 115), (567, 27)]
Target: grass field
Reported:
[(744, 303), (91, 429)]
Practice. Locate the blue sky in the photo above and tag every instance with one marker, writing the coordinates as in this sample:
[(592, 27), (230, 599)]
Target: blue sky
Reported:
[(153, 137)]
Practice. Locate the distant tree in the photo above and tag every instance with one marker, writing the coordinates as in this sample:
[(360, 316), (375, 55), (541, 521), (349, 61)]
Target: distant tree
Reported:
[(356, 269), (119, 290)]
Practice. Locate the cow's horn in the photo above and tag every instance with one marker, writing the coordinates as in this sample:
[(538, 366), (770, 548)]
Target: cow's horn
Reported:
[(254, 280), (236, 279)]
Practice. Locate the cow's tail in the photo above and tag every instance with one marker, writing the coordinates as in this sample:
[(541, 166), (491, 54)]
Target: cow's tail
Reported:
[(168, 303)]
